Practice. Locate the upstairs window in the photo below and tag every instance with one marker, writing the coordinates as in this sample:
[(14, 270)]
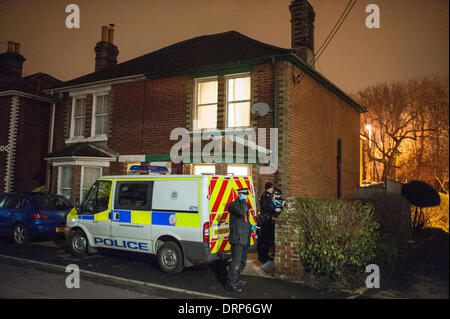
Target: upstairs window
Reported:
[(101, 114), (206, 103), (238, 100), (79, 116)]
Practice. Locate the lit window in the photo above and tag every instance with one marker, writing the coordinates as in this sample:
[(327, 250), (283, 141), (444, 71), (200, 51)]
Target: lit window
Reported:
[(238, 101), (206, 104), (65, 181), (79, 116), (238, 170), (101, 114), (204, 169)]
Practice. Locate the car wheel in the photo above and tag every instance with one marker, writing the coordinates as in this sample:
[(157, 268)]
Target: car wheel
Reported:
[(78, 243), (170, 258), (20, 235)]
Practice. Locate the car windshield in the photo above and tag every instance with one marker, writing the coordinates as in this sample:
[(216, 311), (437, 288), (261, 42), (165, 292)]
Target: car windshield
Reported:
[(54, 203)]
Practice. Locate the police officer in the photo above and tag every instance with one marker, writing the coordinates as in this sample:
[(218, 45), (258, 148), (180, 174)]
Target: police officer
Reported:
[(240, 231), (266, 237)]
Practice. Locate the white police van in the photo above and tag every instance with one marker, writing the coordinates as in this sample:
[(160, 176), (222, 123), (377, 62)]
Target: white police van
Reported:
[(180, 218)]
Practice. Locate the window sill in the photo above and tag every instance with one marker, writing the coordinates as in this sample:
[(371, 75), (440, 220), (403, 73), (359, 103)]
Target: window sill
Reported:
[(97, 138), (242, 130)]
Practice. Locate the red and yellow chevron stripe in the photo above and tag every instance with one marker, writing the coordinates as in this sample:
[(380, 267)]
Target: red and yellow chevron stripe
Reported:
[(223, 191)]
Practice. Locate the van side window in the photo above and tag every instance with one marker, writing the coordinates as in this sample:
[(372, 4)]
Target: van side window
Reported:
[(133, 195), (98, 198)]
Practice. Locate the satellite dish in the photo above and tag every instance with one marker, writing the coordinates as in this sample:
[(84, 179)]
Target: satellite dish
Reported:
[(260, 109)]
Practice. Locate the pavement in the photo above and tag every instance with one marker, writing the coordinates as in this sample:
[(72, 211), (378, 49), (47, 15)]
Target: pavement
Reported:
[(138, 273), (25, 282)]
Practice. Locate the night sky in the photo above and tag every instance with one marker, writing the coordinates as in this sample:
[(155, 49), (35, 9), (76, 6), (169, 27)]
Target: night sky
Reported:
[(412, 40)]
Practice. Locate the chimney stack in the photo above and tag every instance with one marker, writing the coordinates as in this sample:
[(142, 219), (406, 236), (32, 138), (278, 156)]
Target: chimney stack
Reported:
[(302, 23), (11, 62), (105, 51)]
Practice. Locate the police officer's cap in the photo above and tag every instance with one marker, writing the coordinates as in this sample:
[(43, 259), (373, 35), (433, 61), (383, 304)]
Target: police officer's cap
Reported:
[(243, 191), (268, 185)]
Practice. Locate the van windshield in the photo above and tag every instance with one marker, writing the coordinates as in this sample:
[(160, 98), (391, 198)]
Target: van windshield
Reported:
[(97, 198)]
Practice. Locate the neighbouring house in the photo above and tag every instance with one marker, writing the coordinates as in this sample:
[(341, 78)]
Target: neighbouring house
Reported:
[(25, 112), (123, 114)]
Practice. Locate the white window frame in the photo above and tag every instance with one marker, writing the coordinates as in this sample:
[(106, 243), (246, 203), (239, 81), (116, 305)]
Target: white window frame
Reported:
[(227, 103), (82, 178), (94, 115), (78, 93), (249, 169), (59, 188), (204, 165), (72, 117), (196, 105)]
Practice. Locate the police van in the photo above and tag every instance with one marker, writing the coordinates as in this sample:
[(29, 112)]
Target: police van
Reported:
[(180, 218)]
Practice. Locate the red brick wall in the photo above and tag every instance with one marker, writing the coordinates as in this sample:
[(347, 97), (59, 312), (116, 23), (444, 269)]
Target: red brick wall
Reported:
[(61, 124), (145, 113), (32, 144), (5, 106), (317, 119)]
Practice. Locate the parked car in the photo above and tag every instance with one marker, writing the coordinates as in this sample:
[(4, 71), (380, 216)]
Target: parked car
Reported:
[(30, 216)]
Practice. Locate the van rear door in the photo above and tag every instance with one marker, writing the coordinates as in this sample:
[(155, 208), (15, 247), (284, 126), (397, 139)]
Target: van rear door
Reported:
[(222, 191)]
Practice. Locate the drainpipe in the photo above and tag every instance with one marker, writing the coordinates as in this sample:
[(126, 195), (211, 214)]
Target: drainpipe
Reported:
[(275, 107), (275, 110)]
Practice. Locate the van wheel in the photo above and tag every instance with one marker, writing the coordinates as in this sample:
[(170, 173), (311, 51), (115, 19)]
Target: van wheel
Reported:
[(20, 235), (170, 258), (78, 243)]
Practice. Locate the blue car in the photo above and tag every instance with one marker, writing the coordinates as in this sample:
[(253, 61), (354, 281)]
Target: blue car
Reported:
[(29, 216)]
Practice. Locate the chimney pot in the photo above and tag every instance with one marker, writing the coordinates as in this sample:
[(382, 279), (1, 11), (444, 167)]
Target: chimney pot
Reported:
[(10, 47), (104, 33), (17, 48), (111, 33)]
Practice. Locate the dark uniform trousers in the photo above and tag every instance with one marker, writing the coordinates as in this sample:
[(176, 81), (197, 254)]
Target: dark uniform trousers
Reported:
[(266, 238), (267, 232), (239, 253)]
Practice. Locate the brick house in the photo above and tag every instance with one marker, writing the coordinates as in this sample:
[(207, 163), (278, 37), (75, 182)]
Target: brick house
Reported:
[(123, 114), (25, 112)]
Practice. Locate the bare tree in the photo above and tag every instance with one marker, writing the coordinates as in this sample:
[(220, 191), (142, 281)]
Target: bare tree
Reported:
[(409, 129), (390, 115)]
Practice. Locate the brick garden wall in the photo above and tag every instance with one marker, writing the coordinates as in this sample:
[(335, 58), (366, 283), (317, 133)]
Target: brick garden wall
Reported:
[(287, 242)]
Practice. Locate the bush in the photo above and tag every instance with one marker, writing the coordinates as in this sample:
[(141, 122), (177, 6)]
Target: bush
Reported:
[(393, 213), (334, 234), (437, 217)]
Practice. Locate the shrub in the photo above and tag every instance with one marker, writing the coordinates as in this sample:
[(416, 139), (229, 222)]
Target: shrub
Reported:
[(334, 234), (393, 213), (437, 217)]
